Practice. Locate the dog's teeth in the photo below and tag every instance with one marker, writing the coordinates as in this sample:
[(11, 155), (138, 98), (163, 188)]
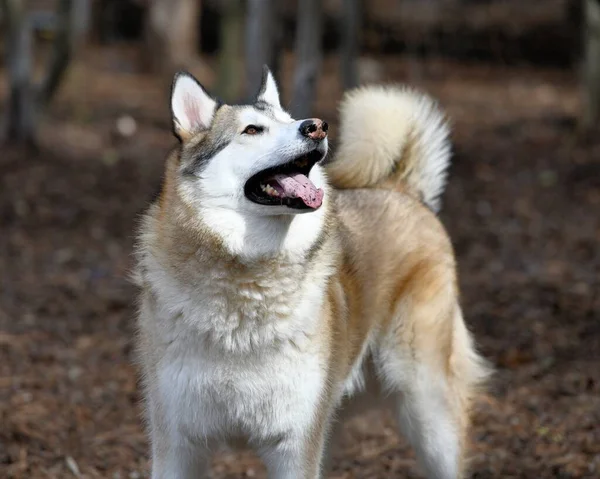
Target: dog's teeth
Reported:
[(269, 190)]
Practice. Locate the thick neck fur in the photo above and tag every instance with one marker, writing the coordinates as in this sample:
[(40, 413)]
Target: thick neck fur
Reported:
[(233, 279), (251, 238), (244, 237)]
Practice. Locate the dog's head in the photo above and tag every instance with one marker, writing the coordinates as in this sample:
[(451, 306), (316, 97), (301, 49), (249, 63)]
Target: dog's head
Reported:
[(253, 159)]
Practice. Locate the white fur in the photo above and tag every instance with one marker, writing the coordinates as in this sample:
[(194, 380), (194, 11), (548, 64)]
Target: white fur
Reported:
[(426, 420), (239, 359), (270, 93), (422, 409), (192, 108), (250, 230), (381, 126), (252, 237), (236, 354)]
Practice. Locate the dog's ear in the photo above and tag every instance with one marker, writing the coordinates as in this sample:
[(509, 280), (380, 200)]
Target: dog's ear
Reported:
[(192, 107), (268, 89)]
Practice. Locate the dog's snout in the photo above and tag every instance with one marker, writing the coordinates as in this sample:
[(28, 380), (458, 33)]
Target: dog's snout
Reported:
[(314, 128)]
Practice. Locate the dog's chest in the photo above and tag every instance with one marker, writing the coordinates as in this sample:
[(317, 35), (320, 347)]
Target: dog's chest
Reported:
[(240, 311), (244, 355), (256, 397)]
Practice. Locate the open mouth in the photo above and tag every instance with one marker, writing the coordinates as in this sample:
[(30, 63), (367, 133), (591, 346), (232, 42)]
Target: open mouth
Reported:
[(287, 185)]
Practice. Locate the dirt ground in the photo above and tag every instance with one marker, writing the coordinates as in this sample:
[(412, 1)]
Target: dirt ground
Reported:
[(522, 207)]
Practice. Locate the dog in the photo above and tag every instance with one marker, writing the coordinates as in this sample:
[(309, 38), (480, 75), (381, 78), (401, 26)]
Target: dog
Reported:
[(278, 290)]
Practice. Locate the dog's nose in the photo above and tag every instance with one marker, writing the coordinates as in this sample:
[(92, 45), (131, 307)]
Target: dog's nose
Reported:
[(314, 128)]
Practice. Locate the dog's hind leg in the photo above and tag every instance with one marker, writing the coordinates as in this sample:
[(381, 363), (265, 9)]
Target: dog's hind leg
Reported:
[(426, 358), (433, 428)]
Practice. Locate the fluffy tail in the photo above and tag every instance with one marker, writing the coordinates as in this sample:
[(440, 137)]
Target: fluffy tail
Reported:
[(395, 138)]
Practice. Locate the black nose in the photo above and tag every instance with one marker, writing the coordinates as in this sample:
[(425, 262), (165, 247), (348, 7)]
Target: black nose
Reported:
[(307, 127), (314, 128)]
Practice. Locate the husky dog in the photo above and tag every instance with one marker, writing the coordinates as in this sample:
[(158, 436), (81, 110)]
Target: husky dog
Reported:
[(276, 290)]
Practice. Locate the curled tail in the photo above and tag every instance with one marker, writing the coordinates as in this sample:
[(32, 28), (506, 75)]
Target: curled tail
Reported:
[(395, 138)]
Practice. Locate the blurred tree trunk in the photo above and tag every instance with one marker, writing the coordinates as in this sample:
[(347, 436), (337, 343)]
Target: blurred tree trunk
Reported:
[(25, 101), (276, 59), (229, 76), (591, 72), (19, 121), (81, 19), (308, 56), (61, 51), (263, 42), (172, 32), (351, 25)]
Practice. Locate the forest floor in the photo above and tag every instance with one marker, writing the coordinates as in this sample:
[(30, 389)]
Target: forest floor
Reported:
[(522, 208)]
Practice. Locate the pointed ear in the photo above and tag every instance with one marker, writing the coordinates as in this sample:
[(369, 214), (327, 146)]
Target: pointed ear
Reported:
[(192, 108), (268, 89)]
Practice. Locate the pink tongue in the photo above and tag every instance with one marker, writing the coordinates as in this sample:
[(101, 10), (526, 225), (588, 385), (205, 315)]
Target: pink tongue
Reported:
[(299, 186)]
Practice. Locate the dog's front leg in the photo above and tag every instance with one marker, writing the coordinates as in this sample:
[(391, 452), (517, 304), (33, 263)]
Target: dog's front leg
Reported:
[(174, 456), (174, 459), (296, 456)]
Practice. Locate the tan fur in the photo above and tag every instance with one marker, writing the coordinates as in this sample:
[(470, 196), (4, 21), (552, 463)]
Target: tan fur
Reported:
[(406, 249), (392, 298), (392, 137)]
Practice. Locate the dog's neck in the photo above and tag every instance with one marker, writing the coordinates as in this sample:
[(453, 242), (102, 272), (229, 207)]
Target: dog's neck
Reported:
[(252, 268), (251, 237), (234, 235)]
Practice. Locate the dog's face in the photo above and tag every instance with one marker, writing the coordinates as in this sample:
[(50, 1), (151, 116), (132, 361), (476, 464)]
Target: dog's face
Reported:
[(253, 159)]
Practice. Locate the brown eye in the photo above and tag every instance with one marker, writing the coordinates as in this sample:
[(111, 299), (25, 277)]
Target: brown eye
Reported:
[(252, 130)]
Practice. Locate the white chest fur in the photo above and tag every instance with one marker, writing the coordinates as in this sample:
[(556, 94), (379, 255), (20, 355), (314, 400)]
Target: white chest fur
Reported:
[(239, 350), (258, 398)]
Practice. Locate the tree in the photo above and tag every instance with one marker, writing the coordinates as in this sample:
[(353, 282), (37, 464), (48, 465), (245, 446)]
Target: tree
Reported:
[(27, 101), (263, 42), (172, 32), (62, 51), (349, 45), (308, 56), (229, 75), (19, 120), (591, 72)]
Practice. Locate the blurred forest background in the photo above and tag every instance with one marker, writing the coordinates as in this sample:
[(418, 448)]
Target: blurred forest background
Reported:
[(85, 130)]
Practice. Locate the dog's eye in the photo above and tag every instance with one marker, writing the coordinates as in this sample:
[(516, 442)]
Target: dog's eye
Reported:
[(253, 130)]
